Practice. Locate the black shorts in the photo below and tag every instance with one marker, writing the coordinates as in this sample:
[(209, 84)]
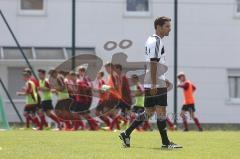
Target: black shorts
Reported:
[(79, 107), (64, 105), (110, 103), (189, 107), (123, 107), (46, 105), (159, 99), (31, 108), (137, 109)]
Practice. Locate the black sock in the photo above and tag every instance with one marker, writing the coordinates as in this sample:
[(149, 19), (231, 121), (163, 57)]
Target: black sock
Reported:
[(162, 127), (139, 120)]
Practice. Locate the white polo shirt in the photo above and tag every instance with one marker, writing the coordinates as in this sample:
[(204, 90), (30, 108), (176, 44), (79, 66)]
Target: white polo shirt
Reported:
[(154, 48)]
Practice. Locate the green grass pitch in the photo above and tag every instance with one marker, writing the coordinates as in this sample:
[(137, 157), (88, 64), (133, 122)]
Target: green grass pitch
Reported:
[(28, 144)]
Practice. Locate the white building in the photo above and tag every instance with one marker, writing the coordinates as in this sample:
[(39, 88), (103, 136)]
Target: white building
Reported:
[(209, 38)]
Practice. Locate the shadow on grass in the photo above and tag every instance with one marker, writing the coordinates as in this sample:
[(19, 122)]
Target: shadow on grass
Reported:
[(154, 148)]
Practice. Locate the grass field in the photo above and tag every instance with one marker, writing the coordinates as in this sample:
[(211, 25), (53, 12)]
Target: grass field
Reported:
[(27, 144)]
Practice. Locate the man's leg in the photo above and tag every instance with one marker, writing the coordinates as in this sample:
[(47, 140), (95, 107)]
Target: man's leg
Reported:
[(53, 116), (170, 124), (28, 119), (162, 127), (36, 122), (144, 116), (162, 124), (102, 116), (125, 136), (41, 115), (196, 121), (184, 118), (115, 121)]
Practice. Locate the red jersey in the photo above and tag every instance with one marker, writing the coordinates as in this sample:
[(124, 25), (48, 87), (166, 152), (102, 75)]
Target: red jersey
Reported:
[(84, 95), (35, 81), (72, 87), (125, 91), (114, 83)]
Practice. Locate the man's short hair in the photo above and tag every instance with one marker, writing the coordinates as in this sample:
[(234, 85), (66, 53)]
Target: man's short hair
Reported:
[(180, 74), (26, 74), (82, 69), (72, 73), (27, 70), (42, 71), (108, 64), (161, 21)]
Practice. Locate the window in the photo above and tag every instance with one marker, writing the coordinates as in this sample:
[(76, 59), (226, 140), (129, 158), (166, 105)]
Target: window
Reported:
[(237, 8), (79, 51), (234, 85), (32, 7), (137, 8), (32, 4), (50, 53), (41, 53), (14, 53)]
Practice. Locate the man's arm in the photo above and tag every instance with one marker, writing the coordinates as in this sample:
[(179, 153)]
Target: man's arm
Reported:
[(194, 88), (153, 70), (184, 85), (25, 92), (61, 84)]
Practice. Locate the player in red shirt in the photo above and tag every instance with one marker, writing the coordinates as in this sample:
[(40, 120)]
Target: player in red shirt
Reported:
[(99, 112), (73, 88), (31, 101), (39, 110), (189, 101), (113, 82), (125, 100), (58, 87), (46, 97), (84, 98)]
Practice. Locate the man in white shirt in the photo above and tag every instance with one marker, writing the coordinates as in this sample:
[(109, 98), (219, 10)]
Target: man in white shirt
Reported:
[(155, 85)]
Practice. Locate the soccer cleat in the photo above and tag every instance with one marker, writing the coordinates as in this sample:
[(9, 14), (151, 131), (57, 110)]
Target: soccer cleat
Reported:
[(171, 145), (125, 139)]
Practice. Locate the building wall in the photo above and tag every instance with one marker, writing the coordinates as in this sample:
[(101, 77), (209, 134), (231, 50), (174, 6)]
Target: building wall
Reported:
[(209, 35)]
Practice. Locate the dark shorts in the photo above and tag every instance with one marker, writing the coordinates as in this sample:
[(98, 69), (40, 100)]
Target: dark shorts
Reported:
[(79, 107), (124, 107), (31, 108), (110, 103), (64, 105), (189, 107), (137, 109), (46, 105), (159, 99)]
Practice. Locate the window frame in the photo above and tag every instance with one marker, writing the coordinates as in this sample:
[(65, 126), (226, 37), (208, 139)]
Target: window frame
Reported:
[(232, 73), (138, 13), (32, 12)]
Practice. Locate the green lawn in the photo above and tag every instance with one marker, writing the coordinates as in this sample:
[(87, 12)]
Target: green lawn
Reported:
[(27, 144)]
